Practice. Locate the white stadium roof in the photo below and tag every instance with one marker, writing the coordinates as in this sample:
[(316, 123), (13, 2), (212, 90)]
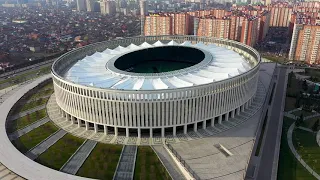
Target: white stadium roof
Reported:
[(92, 71)]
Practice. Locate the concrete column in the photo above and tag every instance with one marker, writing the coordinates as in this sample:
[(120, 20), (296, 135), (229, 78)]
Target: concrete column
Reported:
[(162, 132), (238, 110), (174, 131), (105, 130), (73, 120), (247, 105), (67, 117), (212, 122), (79, 123), (127, 132), (139, 133), (227, 116), (87, 125), (95, 127), (232, 113), (242, 108), (220, 119), (185, 129), (195, 127), (116, 131), (151, 132), (204, 124)]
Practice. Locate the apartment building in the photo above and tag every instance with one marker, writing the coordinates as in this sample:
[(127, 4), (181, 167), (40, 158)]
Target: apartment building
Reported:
[(305, 42), (158, 24)]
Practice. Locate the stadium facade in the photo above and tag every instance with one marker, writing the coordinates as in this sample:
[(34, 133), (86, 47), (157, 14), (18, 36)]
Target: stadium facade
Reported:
[(155, 85)]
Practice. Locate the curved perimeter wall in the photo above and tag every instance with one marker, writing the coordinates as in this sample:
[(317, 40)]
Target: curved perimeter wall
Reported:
[(210, 103)]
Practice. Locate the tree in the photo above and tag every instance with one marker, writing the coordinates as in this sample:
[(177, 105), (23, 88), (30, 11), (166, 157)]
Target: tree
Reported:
[(315, 126)]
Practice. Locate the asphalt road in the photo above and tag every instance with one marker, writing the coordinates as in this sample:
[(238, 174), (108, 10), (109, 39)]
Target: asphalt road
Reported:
[(268, 151)]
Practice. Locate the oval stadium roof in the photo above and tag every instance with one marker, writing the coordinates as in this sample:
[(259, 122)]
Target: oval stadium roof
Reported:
[(92, 70)]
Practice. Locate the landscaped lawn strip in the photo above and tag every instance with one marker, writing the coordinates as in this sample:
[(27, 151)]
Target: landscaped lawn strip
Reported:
[(102, 162), (60, 152), (289, 167), (307, 147), (41, 93), (34, 104), (148, 166), (34, 137), (26, 120)]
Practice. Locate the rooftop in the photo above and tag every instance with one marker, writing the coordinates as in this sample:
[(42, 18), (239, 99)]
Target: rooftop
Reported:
[(102, 70)]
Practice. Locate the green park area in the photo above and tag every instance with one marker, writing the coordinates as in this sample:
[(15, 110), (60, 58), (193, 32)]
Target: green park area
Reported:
[(59, 153), (300, 95), (26, 120), (148, 165), (34, 137), (102, 162), (289, 167), (306, 145)]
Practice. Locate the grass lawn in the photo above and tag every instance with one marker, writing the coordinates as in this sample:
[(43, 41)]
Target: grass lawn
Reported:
[(307, 147), (290, 103), (305, 113), (310, 122), (26, 120), (42, 93), (102, 162), (34, 137), (60, 152), (289, 168), (148, 166), (34, 104)]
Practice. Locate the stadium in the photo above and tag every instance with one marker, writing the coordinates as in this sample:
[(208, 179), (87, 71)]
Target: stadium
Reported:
[(156, 85)]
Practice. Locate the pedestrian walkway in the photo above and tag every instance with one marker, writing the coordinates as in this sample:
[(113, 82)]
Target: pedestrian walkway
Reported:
[(305, 129), (294, 110), (45, 144), (6, 174), (78, 158), (27, 129), (168, 162), (24, 113), (295, 153), (126, 164)]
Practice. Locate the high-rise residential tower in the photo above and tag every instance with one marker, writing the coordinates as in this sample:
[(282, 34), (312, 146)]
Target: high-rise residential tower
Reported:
[(305, 43)]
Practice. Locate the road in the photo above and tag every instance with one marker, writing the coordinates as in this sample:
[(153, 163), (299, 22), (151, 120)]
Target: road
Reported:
[(33, 68), (268, 150)]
